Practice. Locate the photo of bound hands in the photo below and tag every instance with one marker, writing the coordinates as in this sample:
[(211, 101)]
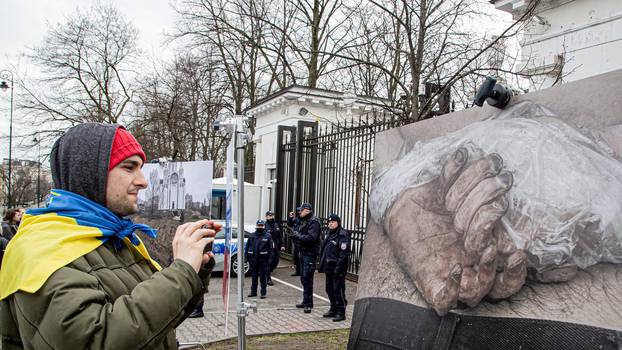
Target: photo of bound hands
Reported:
[(475, 213)]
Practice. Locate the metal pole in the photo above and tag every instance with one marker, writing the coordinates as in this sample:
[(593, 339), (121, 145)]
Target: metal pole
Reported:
[(10, 141), (38, 173), (239, 133), (9, 76)]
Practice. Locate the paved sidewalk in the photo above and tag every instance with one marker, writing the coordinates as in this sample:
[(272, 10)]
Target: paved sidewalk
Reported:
[(275, 314)]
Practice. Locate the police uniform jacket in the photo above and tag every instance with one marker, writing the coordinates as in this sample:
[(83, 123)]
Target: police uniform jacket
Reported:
[(309, 236), (275, 232), (335, 252), (293, 223), (259, 247)]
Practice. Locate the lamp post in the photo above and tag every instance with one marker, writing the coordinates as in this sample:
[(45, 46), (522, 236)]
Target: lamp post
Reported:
[(38, 142), (4, 76)]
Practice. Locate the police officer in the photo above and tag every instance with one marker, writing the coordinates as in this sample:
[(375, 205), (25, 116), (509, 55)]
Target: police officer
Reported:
[(308, 240), (272, 228), (293, 222), (334, 262), (258, 254)]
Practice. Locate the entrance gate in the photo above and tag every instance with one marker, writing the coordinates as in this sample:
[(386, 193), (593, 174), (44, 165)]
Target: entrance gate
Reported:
[(329, 166)]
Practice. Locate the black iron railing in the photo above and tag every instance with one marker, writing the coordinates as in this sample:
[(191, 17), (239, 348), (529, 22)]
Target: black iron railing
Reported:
[(330, 166)]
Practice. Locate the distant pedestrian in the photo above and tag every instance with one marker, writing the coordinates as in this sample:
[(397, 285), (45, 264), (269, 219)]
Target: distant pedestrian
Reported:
[(259, 254), (3, 243), (308, 240), (12, 219), (293, 222), (272, 227), (334, 263)]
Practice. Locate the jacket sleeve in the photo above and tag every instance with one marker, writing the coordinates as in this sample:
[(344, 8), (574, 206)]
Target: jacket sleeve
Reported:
[(6, 231), (205, 275), (249, 244), (313, 233), (278, 238), (342, 259), (271, 250), (72, 311)]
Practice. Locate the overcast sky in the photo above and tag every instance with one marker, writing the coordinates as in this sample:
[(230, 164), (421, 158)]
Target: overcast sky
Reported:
[(23, 25)]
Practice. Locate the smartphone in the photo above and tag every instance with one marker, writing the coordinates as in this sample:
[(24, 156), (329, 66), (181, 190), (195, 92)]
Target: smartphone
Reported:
[(210, 245)]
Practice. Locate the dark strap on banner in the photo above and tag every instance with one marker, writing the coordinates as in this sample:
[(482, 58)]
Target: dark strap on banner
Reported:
[(380, 323)]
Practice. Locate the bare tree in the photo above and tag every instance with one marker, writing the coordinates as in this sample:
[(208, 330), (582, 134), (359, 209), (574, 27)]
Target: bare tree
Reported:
[(85, 70), (413, 44), (176, 111), (24, 184)]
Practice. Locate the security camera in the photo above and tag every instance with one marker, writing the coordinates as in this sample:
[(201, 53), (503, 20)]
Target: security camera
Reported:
[(494, 94)]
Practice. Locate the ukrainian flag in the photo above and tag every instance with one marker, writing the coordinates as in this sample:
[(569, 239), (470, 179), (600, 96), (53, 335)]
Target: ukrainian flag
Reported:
[(49, 238)]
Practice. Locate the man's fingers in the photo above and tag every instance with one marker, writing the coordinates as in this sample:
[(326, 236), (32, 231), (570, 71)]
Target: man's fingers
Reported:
[(479, 234), (452, 168), (474, 174), (193, 226), (560, 274), (486, 191), (201, 233), (205, 241), (512, 278), (207, 256), (214, 225), (505, 245), (478, 280), (181, 228), (441, 290)]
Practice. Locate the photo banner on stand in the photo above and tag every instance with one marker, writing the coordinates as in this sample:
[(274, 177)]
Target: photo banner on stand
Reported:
[(177, 186)]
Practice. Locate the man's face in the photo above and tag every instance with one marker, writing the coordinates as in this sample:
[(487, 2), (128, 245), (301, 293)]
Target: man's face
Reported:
[(304, 212), (124, 182), (269, 217), (17, 217), (333, 225)]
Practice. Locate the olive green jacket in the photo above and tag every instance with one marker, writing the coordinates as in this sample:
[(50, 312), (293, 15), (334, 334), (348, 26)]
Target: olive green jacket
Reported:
[(108, 299)]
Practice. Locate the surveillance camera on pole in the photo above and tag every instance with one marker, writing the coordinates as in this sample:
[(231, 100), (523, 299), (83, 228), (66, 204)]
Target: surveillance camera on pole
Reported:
[(237, 127)]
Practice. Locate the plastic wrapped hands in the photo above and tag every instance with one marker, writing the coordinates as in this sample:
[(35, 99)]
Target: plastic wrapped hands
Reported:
[(475, 213)]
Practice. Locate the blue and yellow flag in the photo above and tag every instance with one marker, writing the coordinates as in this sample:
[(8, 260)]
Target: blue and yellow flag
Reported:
[(49, 238)]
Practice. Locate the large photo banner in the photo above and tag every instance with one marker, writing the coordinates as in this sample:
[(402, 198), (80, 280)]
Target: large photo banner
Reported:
[(498, 229), (177, 186)]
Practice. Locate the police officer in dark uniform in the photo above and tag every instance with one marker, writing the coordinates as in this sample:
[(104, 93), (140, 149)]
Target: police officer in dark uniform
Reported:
[(272, 228), (293, 222), (308, 240), (334, 262), (258, 254)]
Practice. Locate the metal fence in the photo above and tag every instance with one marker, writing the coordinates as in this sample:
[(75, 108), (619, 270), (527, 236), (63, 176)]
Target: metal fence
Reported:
[(329, 166)]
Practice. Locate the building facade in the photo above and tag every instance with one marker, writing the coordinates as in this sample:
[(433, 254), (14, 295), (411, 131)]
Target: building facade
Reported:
[(568, 40), (289, 106)]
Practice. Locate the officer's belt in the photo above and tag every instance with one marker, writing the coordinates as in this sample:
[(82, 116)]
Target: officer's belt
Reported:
[(380, 323)]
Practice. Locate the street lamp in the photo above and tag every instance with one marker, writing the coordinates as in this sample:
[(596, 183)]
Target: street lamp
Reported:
[(4, 76)]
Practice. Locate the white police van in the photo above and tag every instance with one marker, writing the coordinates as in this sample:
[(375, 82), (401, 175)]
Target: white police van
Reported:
[(218, 248)]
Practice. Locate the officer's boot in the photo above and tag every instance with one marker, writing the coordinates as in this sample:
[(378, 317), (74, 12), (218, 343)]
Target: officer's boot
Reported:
[(331, 313), (198, 311), (340, 315)]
